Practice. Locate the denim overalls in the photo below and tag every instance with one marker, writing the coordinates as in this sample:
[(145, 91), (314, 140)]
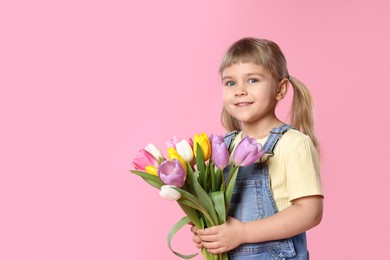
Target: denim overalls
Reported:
[(252, 199)]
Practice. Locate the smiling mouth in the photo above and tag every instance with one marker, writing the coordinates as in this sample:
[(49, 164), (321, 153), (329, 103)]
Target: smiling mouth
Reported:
[(243, 104)]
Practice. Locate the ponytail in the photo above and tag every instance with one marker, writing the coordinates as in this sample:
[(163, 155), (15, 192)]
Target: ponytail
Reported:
[(302, 110)]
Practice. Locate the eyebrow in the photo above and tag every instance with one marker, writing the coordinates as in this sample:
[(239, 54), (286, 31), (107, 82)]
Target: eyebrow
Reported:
[(247, 75), (255, 74)]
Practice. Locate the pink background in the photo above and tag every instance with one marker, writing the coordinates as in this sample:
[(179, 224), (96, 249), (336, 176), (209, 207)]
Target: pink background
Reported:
[(85, 84)]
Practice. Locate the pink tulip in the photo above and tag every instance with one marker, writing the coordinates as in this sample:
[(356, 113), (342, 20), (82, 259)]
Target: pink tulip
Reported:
[(248, 151), (171, 142), (143, 159)]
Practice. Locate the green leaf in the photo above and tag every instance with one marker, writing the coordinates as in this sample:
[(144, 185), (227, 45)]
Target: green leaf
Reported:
[(214, 179), (202, 223), (190, 178), (192, 201), (185, 195), (218, 199), (208, 223), (202, 195), (218, 179), (210, 256), (190, 212), (230, 186), (206, 177), (200, 165), (181, 223), (149, 178)]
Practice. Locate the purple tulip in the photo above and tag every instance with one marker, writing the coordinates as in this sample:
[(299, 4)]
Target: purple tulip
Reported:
[(219, 151), (248, 151), (143, 159), (172, 173)]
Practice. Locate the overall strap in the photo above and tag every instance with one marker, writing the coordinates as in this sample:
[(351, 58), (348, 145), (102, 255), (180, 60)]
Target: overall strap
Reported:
[(269, 145), (229, 137), (275, 135)]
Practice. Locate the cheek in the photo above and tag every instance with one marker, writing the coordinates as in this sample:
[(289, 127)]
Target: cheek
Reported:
[(226, 94), (227, 103), (225, 100)]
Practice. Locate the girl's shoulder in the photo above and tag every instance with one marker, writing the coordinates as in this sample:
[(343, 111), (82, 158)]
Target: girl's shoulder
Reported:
[(293, 134), (293, 139)]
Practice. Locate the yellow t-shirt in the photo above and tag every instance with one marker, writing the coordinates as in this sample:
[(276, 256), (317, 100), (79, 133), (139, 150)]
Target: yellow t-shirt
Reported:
[(294, 169)]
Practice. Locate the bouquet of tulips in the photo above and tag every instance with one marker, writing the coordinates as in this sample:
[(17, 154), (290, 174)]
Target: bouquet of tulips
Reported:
[(200, 175)]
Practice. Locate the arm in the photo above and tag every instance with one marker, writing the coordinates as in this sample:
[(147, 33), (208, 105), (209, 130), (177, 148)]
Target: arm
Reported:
[(303, 214)]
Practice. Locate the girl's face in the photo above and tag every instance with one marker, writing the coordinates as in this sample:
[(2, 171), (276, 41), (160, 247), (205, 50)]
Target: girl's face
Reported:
[(249, 93)]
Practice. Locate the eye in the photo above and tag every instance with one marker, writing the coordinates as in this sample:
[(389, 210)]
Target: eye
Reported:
[(253, 80), (230, 83)]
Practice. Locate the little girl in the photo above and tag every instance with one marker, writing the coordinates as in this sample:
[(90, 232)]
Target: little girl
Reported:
[(276, 200)]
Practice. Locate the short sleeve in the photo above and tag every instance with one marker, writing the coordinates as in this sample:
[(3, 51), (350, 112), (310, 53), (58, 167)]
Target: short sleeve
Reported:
[(302, 169)]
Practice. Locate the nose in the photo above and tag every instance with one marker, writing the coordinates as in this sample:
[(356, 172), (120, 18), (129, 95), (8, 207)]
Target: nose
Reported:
[(240, 90)]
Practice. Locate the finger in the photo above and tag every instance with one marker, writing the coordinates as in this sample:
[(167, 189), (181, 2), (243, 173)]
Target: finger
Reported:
[(216, 251), (194, 229), (199, 246), (208, 238), (210, 245), (198, 242), (214, 247), (207, 231), (196, 239)]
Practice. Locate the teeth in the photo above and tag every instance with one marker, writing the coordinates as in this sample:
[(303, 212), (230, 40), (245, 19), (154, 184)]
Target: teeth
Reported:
[(244, 104)]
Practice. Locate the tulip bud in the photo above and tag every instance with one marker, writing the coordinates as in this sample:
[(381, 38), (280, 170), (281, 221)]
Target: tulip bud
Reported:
[(220, 152), (171, 142), (184, 149), (204, 143), (167, 192), (143, 159), (151, 170), (151, 148), (173, 154)]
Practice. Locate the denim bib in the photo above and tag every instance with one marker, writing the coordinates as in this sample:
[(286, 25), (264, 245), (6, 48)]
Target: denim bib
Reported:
[(252, 200)]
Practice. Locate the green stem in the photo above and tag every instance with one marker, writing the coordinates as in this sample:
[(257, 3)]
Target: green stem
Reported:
[(209, 256), (233, 168), (223, 181), (201, 209)]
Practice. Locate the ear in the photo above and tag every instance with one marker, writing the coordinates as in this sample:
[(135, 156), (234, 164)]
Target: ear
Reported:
[(282, 89)]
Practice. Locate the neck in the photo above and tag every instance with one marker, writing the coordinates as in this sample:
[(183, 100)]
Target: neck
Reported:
[(261, 129)]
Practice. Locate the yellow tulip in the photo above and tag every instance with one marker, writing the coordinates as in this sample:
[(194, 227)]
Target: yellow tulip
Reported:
[(173, 154), (151, 170), (204, 143)]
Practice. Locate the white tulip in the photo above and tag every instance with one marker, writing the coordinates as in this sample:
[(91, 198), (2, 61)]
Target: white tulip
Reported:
[(151, 148), (168, 193), (185, 150)]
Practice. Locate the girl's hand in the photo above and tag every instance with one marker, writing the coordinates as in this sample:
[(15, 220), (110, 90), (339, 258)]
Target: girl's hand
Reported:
[(195, 238), (222, 238)]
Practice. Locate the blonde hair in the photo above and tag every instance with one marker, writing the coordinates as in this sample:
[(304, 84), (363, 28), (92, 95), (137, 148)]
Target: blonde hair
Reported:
[(268, 54)]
